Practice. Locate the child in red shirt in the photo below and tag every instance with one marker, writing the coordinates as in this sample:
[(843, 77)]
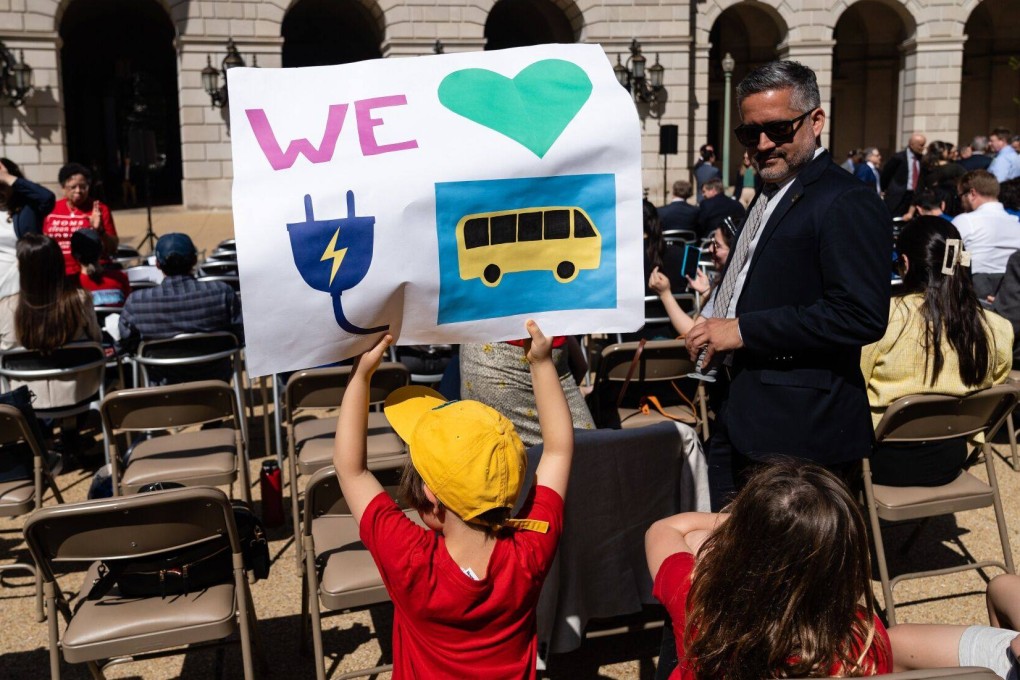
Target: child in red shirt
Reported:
[(109, 287), (779, 586), (464, 590)]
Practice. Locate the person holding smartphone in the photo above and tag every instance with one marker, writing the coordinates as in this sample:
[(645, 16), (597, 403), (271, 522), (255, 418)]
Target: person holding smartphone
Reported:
[(719, 248)]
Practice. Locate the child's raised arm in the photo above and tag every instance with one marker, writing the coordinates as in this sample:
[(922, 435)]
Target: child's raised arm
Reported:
[(358, 485), (553, 413), (678, 317), (680, 533)]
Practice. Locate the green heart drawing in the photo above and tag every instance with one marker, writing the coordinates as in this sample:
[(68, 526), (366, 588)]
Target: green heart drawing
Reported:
[(532, 109)]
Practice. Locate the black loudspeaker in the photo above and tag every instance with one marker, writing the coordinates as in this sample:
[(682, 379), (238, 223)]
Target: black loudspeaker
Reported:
[(667, 139)]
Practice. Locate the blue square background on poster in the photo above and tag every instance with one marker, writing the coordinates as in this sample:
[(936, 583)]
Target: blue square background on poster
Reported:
[(530, 291)]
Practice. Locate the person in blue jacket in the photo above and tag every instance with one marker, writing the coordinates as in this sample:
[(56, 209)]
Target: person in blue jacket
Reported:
[(23, 206)]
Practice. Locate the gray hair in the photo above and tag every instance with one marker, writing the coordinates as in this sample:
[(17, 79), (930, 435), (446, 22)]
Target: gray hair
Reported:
[(782, 75), (868, 151), (979, 144)]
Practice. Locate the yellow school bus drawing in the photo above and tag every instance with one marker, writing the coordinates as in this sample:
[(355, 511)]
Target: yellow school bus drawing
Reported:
[(559, 239)]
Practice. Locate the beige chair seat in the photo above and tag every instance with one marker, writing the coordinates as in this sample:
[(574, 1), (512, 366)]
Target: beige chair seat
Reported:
[(116, 626), (350, 578), (633, 417), (897, 503), (314, 441), (17, 497), (350, 574), (191, 458)]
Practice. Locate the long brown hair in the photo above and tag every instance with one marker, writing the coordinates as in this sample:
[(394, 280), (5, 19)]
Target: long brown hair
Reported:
[(951, 309), (50, 311), (783, 589)]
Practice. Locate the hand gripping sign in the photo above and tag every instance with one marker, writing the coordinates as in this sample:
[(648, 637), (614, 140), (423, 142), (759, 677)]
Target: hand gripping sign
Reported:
[(442, 199)]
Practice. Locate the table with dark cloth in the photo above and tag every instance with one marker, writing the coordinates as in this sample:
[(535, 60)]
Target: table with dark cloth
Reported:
[(620, 482)]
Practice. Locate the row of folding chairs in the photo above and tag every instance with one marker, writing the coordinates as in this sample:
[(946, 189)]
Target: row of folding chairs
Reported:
[(328, 533), (83, 360)]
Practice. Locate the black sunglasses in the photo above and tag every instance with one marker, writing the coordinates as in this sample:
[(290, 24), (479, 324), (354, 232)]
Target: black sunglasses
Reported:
[(779, 131)]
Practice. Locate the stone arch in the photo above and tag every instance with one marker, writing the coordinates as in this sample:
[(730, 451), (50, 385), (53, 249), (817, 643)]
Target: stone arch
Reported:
[(988, 83), (323, 32), (119, 75), (867, 74), (710, 12), (906, 11), (516, 23), (751, 33), (60, 8)]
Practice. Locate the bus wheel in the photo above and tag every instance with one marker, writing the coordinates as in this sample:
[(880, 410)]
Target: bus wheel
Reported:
[(492, 275), (565, 272)]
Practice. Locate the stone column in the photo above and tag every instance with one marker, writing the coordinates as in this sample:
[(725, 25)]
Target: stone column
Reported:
[(817, 55), (33, 133), (412, 28), (205, 131), (930, 82)]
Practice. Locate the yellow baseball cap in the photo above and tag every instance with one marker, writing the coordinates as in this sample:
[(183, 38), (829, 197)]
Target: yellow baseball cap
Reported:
[(468, 453)]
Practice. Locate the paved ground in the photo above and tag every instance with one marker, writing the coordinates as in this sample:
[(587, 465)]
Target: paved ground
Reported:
[(351, 641), (205, 228)]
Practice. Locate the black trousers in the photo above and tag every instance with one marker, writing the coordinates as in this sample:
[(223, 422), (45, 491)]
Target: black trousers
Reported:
[(729, 470)]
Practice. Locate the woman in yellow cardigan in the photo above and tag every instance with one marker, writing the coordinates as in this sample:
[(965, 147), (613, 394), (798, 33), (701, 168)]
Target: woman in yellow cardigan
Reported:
[(939, 341)]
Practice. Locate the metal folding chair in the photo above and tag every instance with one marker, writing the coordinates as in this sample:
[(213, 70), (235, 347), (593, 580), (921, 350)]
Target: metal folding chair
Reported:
[(210, 457), (932, 418), (21, 496), (108, 628)]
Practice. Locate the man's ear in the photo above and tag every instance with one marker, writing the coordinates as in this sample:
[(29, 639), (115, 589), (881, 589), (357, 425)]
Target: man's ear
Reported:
[(817, 121)]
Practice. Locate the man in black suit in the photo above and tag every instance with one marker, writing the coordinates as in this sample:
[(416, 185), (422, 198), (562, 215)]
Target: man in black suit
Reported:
[(978, 158), (716, 207), (678, 213), (901, 175), (806, 286)]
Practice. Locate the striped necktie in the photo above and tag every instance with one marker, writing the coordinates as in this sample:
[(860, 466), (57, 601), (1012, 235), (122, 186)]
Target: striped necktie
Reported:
[(738, 258)]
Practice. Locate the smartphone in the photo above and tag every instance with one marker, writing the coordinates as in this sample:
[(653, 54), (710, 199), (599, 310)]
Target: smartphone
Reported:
[(690, 262)]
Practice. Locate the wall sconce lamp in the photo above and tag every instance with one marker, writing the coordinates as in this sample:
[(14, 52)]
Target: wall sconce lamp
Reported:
[(211, 75), (15, 76), (644, 84)]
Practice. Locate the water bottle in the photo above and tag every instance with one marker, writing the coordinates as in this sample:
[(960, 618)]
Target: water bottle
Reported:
[(271, 485)]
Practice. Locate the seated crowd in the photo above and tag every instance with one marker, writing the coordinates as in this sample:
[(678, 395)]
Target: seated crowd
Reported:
[(778, 584)]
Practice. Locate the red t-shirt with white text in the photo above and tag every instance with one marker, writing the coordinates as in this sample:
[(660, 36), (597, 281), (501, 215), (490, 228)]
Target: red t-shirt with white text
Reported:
[(446, 624), (67, 219), (673, 583)]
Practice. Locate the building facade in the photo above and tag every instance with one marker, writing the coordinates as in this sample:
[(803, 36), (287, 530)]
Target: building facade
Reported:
[(118, 83)]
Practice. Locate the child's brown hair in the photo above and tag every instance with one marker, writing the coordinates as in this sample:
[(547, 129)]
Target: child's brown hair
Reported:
[(778, 588), (412, 492)]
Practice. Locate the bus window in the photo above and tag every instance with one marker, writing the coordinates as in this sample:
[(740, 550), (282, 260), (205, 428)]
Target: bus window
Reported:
[(476, 232), (504, 229), (529, 226), (582, 227), (557, 224)]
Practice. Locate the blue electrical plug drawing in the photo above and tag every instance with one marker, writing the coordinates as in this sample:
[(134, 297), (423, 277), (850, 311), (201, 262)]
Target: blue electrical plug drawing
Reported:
[(334, 255)]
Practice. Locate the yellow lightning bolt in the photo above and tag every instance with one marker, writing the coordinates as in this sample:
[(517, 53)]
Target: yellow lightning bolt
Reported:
[(336, 255)]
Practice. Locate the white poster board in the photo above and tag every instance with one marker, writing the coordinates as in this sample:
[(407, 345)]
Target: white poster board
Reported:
[(445, 199)]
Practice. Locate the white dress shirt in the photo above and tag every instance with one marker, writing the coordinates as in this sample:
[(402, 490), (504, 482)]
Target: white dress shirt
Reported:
[(991, 235)]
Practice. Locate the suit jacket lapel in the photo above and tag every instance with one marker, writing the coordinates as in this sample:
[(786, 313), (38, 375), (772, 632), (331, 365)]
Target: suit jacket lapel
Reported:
[(789, 199)]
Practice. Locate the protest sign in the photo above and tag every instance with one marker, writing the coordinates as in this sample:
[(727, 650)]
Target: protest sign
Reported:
[(444, 198)]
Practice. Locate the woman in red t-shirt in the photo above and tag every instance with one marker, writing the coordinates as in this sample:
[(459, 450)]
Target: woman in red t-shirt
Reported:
[(78, 211), (782, 583)]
